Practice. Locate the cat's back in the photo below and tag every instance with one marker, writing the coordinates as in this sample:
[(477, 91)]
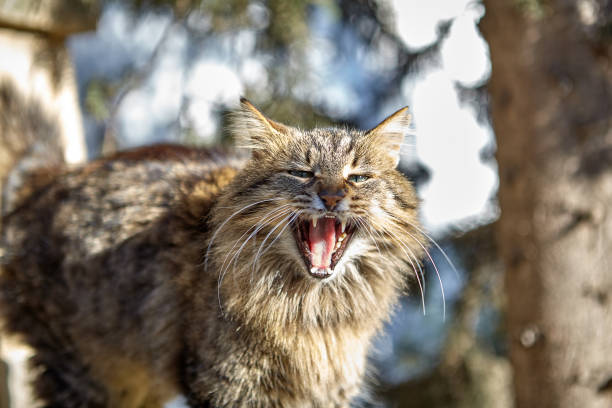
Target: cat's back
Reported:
[(91, 209)]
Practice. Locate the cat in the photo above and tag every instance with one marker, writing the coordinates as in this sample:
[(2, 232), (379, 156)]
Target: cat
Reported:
[(254, 277)]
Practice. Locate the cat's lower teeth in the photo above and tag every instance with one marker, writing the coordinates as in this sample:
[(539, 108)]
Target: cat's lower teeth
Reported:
[(339, 242), (320, 272)]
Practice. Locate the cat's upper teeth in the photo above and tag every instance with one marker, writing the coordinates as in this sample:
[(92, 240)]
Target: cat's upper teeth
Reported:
[(343, 224), (339, 241), (314, 222)]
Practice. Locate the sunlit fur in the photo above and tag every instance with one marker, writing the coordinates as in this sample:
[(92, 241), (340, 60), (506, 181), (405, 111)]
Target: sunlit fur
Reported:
[(170, 270)]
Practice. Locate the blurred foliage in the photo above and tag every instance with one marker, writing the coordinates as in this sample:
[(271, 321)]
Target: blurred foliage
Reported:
[(470, 372), (282, 33), (283, 39), (97, 98), (287, 19), (288, 22)]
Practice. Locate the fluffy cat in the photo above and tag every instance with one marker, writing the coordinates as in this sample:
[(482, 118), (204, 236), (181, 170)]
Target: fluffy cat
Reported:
[(251, 279)]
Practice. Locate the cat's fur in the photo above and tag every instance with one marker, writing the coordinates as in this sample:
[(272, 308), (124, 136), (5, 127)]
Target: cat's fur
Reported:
[(166, 270)]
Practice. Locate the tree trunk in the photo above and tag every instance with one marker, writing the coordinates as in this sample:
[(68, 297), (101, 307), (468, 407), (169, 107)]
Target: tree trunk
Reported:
[(551, 100)]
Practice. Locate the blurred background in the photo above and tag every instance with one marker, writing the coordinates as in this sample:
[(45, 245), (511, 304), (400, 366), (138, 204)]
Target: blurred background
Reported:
[(119, 74)]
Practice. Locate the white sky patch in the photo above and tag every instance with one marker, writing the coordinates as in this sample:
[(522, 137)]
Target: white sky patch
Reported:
[(166, 83), (339, 99), (449, 141), (118, 33), (465, 54), (254, 75), (135, 118), (211, 84), (159, 100), (214, 81), (243, 43), (143, 37), (417, 20), (333, 78)]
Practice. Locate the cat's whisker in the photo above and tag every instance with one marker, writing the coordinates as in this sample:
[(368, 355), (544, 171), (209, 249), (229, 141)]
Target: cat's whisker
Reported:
[(226, 221), (291, 218), (404, 244), (436, 270), (262, 220), (433, 241), (225, 268), (437, 274), (249, 147), (410, 257), (367, 228), (285, 213), (430, 258), (278, 224), (377, 233), (266, 219), (277, 212)]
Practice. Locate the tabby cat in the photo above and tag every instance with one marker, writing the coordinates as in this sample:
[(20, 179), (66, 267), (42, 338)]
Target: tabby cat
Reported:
[(253, 279)]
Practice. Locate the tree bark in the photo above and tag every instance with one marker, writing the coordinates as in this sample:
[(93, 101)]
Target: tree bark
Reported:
[(551, 101)]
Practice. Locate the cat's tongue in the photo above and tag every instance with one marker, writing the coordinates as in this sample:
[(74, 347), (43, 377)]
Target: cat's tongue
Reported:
[(322, 239)]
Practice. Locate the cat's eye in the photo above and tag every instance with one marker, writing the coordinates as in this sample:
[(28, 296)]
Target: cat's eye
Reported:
[(358, 178), (301, 173)]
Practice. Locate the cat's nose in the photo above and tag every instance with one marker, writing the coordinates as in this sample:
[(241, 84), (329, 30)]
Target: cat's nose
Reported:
[(331, 198)]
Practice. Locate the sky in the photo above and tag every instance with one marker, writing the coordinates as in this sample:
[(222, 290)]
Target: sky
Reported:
[(449, 140)]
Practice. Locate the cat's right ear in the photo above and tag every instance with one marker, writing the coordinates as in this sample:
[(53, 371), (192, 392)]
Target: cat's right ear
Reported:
[(252, 130), (389, 134)]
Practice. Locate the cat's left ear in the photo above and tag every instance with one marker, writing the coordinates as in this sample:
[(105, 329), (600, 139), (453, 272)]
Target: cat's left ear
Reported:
[(389, 134), (255, 131)]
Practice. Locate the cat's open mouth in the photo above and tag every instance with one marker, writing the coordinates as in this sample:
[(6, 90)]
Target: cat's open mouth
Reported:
[(322, 242)]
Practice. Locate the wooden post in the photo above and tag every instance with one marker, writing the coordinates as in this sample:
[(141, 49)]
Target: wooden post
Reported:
[(35, 62)]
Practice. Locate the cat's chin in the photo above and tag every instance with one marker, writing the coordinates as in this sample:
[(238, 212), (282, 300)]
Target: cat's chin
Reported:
[(322, 242)]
